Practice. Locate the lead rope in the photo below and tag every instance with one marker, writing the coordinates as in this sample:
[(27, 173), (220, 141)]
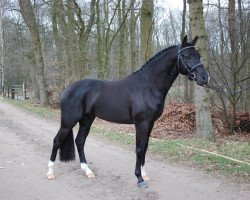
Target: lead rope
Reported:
[(220, 88)]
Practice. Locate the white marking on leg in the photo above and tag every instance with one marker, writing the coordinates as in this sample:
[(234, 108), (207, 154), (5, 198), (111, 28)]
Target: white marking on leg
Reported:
[(144, 174), (88, 172), (143, 171), (50, 173)]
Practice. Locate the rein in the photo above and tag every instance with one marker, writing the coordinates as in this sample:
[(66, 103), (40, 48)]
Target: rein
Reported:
[(220, 88), (180, 59)]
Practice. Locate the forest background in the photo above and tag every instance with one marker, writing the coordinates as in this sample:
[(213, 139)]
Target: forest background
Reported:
[(50, 43)]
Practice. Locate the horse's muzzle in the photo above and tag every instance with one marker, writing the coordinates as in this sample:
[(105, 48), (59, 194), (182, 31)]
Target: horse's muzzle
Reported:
[(202, 79)]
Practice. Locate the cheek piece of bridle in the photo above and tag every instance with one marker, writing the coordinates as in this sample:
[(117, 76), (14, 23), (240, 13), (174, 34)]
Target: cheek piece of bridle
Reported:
[(191, 75)]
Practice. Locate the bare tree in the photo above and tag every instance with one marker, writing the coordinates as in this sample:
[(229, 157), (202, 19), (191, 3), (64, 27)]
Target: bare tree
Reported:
[(27, 12), (1, 48), (204, 127), (99, 42), (248, 67), (183, 26), (122, 38), (229, 59), (132, 33), (146, 29), (60, 62)]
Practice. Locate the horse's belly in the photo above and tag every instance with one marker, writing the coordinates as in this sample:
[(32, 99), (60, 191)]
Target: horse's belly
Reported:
[(116, 120), (115, 115)]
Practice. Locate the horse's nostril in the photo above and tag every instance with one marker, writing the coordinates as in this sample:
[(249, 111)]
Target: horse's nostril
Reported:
[(204, 78)]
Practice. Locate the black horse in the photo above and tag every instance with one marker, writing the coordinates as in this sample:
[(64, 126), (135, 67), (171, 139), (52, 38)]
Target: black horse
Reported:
[(137, 99)]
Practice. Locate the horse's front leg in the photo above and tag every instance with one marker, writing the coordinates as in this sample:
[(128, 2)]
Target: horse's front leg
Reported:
[(143, 173), (143, 130)]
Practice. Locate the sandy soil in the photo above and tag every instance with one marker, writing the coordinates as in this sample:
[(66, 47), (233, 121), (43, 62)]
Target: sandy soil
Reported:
[(25, 145)]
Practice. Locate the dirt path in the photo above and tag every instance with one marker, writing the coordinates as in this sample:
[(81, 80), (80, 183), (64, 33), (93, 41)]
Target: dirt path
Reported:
[(25, 145)]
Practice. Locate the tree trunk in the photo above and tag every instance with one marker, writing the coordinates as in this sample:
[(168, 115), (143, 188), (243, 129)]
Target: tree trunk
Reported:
[(74, 71), (242, 51), (183, 25), (247, 104), (1, 49), (191, 89), (132, 37), (29, 18), (56, 36), (146, 28), (221, 30), (234, 60), (84, 34), (100, 54), (173, 27), (58, 45), (122, 38), (204, 127), (31, 58)]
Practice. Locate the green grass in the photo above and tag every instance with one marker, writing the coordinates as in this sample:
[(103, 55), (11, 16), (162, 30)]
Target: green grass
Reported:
[(177, 150), (33, 107), (173, 150), (113, 136)]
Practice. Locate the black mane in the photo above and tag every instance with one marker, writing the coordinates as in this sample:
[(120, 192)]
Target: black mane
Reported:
[(155, 57)]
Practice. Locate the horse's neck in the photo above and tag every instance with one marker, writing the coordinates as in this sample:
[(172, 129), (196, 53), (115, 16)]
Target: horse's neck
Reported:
[(163, 72)]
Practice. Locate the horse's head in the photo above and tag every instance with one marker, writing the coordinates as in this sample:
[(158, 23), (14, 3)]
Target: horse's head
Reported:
[(189, 63)]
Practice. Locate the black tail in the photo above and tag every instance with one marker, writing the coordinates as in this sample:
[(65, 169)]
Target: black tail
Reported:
[(67, 148)]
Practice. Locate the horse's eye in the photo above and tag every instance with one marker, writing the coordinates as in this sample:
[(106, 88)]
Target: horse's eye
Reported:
[(187, 57)]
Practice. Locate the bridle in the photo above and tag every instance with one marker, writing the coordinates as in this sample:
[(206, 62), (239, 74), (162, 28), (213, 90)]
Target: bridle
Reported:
[(190, 74)]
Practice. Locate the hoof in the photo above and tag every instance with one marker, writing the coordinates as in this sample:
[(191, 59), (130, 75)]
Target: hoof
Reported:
[(91, 175), (142, 184), (146, 178), (51, 176)]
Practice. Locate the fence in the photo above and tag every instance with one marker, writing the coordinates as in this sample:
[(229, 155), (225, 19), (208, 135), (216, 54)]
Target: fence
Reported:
[(15, 91)]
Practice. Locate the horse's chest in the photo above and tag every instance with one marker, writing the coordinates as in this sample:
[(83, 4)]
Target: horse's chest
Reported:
[(152, 108), (157, 109)]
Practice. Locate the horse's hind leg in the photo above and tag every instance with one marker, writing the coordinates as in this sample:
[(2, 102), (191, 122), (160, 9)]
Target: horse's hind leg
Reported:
[(83, 132), (63, 140)]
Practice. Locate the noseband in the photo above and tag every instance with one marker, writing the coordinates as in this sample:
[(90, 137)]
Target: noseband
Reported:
[(190, 74)]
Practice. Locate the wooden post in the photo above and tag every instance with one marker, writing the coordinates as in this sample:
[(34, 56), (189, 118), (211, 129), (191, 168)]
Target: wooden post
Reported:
[(3, 90), (12, 92), (8, 90), (24, 90)]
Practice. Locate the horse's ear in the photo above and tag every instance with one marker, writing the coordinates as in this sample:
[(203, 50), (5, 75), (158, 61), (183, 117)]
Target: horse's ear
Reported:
[(184, 41), (195, 40)]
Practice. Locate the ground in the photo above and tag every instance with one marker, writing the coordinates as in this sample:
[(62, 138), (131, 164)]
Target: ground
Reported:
[(26, 142)]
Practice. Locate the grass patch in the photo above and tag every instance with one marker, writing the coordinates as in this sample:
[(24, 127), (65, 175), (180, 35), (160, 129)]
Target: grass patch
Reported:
[(113, 136), (177, 150), (172, 150), (33, 107)]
